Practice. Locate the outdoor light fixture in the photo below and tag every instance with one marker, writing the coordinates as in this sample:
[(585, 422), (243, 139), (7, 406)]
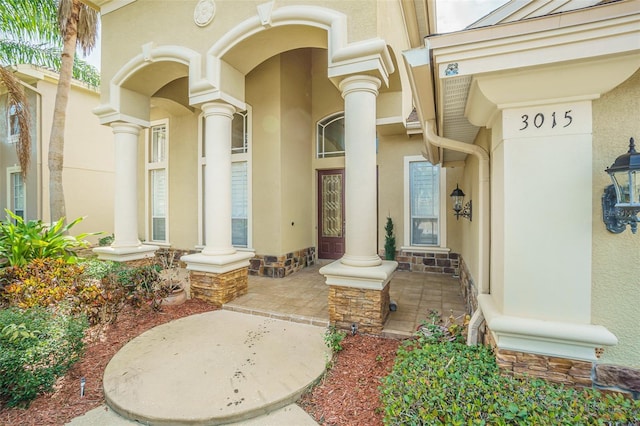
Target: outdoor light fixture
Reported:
[(621, 201), (458, 198)]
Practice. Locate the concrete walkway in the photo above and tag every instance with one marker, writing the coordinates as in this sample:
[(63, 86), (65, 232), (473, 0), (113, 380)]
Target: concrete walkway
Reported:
[(214, 368)]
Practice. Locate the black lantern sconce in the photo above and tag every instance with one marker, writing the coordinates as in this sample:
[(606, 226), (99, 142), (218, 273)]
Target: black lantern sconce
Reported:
[(458, 198), (621, 201)]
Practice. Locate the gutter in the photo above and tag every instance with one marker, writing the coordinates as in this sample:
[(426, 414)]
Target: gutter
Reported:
[(432, 138)]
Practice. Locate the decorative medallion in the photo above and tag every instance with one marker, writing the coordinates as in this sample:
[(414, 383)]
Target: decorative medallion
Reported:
[(204, 12)]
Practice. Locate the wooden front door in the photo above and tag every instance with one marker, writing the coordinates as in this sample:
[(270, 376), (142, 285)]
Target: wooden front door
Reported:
[(330, 214)]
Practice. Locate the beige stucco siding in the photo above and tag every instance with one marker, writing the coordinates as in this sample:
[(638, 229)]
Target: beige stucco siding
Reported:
[(127, 29), (392, 151), (616, 257), (263, 94), (296, 151), (88, 173)]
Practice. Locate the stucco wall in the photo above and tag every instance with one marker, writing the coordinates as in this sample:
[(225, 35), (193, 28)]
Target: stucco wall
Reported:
[(466, 232), (296, 151), (616, 257), (263, 94), (126, 30), (391, 153)]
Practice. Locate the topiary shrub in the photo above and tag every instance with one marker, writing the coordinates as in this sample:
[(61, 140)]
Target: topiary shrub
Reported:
[(37, 345), (454, 384)]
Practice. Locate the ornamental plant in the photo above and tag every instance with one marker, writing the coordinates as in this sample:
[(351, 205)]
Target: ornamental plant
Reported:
[(21, 242), (453, 384), (37, 346), (389, 241)]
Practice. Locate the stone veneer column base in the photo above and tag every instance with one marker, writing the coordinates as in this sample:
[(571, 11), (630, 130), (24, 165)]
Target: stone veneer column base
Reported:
[(571, 372), (219, 289), (368, 309), (359, 295)]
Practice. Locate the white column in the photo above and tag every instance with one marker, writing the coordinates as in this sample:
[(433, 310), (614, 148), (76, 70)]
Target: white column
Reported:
[(359, 93), (126, 191), (126, 245), (217, 193)]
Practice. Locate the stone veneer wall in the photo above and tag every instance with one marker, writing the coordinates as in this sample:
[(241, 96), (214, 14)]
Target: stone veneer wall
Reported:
[(368, 309), (425, 261), (570, 372), (284, 265), (219, 288)]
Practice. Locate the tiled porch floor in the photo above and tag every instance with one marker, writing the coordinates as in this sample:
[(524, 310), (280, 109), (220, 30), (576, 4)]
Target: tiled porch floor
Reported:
[(303, 297)]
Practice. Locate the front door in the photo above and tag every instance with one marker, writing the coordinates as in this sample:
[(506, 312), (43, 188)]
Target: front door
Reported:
[(330, 214)]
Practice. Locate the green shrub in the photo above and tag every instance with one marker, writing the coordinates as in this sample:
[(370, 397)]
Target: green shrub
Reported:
[(389, 241), (37, 345), (454, 384), (21, 242), (333, 338)]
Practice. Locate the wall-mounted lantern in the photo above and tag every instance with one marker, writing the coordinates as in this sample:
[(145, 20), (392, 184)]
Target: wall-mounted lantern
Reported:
[(621, 201), (458, 198)]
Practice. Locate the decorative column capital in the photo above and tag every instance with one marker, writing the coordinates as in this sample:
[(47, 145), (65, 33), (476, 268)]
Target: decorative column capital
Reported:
[(218, 108), (124, 127), (360, 83)]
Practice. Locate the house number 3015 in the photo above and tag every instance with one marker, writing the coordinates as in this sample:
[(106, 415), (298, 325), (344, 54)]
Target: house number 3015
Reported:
[(539, 120)]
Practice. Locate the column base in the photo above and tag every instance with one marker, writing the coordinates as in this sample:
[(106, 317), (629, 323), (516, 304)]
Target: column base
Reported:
[(219, 289), (359, 295), (218, 279), (126, 254), (548, 338)]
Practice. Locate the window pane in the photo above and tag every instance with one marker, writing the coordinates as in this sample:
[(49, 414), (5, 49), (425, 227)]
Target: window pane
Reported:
[(158, 204), (17, 195), (424, 203), (331, 137), (158, 143), (239, 204), (159, 231), (14, 126), (239, 133)]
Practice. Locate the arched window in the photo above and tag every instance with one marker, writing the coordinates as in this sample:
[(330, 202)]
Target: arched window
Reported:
[(330, 136)]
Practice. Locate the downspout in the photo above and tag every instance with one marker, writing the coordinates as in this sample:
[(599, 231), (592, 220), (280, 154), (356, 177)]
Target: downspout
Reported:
[(482, 205)]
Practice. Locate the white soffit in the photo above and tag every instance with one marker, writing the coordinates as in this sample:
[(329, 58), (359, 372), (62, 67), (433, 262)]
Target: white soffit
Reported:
[(454, 123), (517, 10)]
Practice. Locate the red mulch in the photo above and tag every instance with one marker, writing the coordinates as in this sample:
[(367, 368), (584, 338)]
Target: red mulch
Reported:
[(347, 395)]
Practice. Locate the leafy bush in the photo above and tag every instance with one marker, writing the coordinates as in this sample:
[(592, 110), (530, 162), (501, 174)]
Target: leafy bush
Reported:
[(21, 242), (454, 384), (333, 338), (37, 345), (42, 282)]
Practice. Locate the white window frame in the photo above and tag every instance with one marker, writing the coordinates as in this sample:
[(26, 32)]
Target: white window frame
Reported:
[(149, 167), (442, 219), (10, 202), (320, 126), (235, 158)]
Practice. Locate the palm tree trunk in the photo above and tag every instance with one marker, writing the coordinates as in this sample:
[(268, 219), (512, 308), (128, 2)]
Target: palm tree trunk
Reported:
[(56, 143)]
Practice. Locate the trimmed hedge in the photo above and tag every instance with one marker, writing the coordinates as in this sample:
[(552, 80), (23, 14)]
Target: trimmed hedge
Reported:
[(454, 384), (37, 346)]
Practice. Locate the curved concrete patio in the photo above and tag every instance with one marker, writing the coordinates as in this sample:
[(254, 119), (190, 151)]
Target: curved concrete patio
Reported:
[(214, 368)]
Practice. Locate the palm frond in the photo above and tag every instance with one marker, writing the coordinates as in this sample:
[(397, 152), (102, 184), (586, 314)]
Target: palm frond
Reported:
[(30, 20), (18, 99)]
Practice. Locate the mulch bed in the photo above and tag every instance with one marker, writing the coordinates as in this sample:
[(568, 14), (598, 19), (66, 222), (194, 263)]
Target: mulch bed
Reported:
[(347, 395)]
